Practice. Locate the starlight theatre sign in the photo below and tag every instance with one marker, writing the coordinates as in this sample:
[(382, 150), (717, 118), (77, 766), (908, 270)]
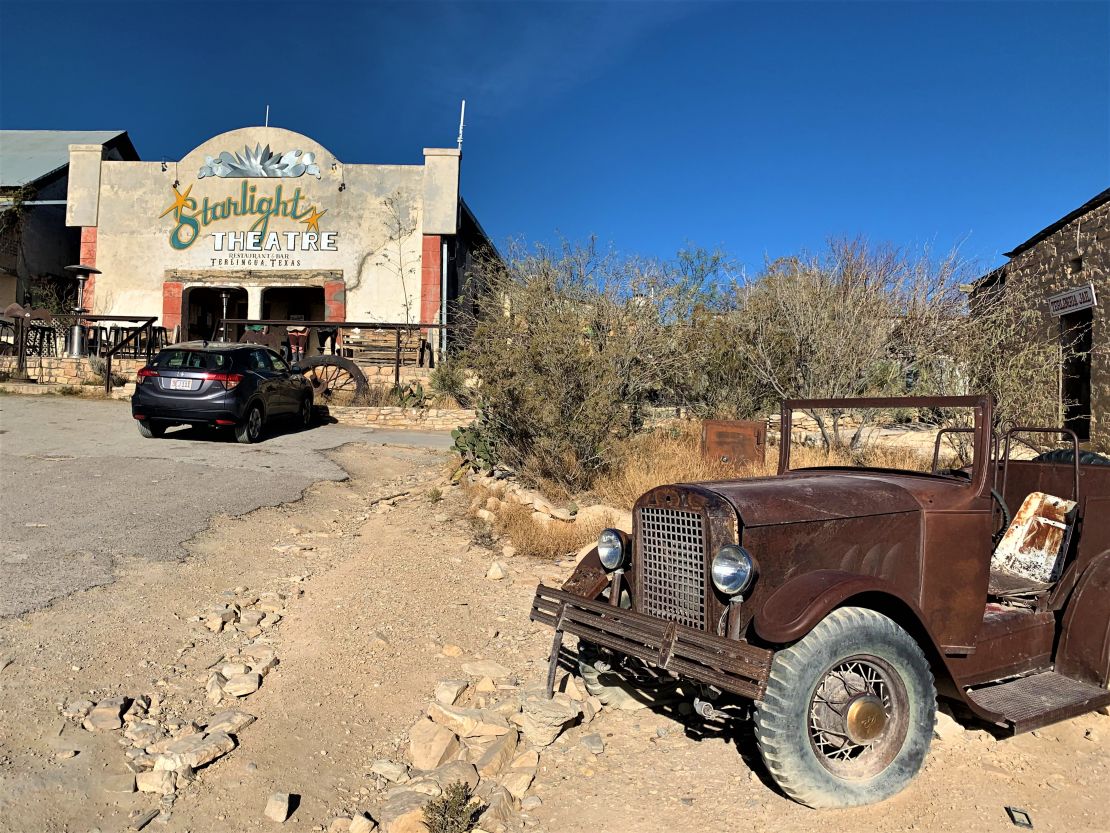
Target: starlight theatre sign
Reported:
[(1073, 300), (258, 245)]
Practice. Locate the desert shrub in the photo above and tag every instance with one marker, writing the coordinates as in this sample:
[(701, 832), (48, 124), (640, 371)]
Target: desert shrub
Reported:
[(452, 812), (448, 382), (571, 345)]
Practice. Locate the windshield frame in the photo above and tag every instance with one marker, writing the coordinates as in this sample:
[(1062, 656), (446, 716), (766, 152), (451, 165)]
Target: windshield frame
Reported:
[(982, 406)]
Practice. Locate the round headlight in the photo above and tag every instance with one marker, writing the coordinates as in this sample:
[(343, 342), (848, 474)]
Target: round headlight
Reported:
[(733, 569), (610, 549)]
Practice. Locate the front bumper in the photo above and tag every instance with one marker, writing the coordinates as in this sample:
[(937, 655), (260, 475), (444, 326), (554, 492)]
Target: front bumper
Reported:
[(730, 665)]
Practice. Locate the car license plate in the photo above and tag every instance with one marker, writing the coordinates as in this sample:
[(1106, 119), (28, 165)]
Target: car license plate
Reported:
[(181, 384)]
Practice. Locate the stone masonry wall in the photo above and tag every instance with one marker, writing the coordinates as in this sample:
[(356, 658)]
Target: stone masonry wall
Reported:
[(66, 371), (423, 419), (1048, 266)]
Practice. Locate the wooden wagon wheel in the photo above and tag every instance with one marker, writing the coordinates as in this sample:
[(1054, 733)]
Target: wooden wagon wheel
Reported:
[(335, 380)]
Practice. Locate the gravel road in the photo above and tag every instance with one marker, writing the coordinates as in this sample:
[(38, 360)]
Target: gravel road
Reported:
[(83, 490)]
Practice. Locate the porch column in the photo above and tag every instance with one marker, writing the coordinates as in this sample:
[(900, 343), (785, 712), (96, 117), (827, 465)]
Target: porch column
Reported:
[(254, 302), (172, 305)]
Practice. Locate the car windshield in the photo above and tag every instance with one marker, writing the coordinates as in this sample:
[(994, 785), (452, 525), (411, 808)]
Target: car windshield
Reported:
[(191, 360)]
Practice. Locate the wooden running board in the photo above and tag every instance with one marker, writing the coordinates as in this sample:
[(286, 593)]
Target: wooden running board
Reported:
[(1031, 702)]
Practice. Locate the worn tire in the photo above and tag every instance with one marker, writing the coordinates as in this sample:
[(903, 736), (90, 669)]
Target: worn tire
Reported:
[(249, 429), (1067, 456), (305, 414), (149, 429), (785, 719)]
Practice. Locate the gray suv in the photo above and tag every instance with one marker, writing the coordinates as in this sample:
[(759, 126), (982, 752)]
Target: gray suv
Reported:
[(238, 386)]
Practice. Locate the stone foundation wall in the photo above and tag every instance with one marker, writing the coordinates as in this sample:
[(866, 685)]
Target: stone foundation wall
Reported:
[(422, 419), (66, 371)]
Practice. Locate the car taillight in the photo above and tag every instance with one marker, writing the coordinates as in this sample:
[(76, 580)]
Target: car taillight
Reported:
[(229, 380), (145, 373)]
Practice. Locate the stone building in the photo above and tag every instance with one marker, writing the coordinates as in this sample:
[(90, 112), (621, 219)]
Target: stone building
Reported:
[(276, 221), (1068, 266), (35, 243)]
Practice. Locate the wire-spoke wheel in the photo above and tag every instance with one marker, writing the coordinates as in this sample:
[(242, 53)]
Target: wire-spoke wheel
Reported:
[(335, 380), (848, 715)]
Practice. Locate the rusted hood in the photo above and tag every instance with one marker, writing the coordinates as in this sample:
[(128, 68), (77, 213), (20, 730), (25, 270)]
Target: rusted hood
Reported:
[(801, 497)]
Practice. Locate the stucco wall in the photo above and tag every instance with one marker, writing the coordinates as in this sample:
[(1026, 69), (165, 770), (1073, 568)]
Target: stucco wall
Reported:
[(1048, 267), (377, 218)]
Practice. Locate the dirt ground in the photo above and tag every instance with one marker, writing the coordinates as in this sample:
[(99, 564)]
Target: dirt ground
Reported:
[(385, 589)]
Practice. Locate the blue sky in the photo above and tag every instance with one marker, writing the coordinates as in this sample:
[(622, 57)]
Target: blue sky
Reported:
[(762, 128)]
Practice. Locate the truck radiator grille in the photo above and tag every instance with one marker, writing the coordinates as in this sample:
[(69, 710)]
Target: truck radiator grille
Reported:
[(672, 565)]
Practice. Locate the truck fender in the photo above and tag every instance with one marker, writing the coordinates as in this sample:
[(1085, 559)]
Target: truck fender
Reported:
[(1084, 648), (796, 607)]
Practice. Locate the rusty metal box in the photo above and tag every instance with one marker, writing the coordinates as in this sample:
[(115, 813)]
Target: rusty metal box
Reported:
[(733, 442)]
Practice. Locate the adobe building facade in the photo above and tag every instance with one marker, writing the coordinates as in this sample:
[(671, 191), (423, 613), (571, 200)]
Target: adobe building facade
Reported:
[(1068, 266), (274, 220)]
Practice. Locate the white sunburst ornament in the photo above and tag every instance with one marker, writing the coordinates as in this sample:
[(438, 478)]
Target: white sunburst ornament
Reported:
[(260, 162)]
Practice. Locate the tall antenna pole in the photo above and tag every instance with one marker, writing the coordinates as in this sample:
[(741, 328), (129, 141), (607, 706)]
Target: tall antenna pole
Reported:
[(267, 116), (462, 122)]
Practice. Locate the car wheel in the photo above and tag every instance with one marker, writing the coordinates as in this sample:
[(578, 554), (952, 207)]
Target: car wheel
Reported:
[(250, 429), (150, 429), (849, 711), (305, 413)]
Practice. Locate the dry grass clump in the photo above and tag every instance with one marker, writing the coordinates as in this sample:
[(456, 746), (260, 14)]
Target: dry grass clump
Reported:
[(551, 540), (670, 455)]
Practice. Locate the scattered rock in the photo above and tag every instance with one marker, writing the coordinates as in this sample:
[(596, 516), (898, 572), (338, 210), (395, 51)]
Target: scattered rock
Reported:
[(243, 684), (455, 771), (531, 802), (362, 823), (485, 515), (594, 743), (497, 571), (500, 810), (517, 781), (486, 685), (279, 806), (403, 812), (468, 723), (230, 722), (508, 551), (143, 733), (431, 744), (340, 824), (391, 771), (498, 755), (194, 751), (451, 651), (485, 668), (561, 514), (529, 759), (543, 720), (78, 710), (493, 504), (107, 715), (215, 687), (159, 781), (946, 727), (448, 692), (65, 754)]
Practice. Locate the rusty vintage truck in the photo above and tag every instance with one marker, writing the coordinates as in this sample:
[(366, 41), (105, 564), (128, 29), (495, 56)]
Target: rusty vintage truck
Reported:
[(834, 605)]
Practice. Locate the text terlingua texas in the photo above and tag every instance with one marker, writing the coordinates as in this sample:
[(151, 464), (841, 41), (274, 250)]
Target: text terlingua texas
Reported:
[(570, 417)]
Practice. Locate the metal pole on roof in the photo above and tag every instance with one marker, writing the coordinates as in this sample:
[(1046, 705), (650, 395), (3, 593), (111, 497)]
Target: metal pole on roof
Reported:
[(462, 122), (267, 124)]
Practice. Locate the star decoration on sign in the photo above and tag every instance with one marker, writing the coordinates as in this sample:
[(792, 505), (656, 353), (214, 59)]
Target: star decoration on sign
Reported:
[(180, 203), (313, 220)]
